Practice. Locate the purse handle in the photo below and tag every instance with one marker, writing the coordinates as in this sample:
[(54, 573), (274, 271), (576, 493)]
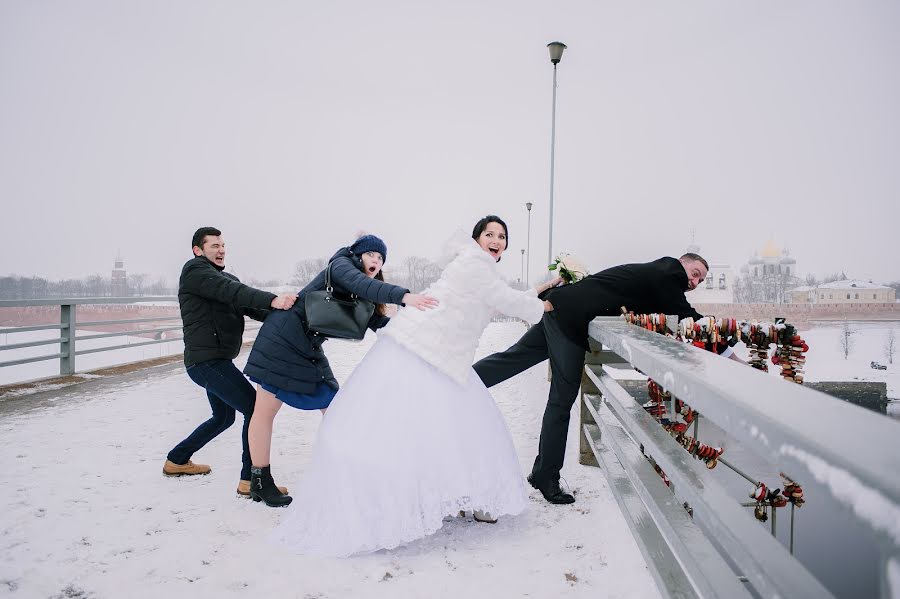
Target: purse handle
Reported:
[(328, 286)]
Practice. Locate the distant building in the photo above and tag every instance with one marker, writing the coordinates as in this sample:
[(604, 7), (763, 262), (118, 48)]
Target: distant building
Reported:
[(770, 261), (767, 276), (119, 287), (803, 295), (848, 291)]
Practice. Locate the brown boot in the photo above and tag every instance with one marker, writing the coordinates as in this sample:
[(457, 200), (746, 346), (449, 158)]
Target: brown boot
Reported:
[(244, 489), (173, 469)]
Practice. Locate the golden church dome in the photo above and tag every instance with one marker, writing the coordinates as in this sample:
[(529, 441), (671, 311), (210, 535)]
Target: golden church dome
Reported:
[(771, 250)]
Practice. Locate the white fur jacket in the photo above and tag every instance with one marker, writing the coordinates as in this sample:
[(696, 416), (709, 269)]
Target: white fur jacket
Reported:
[(470, 292)]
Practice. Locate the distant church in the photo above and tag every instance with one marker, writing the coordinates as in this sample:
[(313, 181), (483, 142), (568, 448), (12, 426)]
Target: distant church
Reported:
[(770, 261), (769, 276), (119, 287)]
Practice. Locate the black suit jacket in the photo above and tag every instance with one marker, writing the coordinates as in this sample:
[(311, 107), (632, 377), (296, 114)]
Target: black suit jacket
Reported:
[(656, 286)]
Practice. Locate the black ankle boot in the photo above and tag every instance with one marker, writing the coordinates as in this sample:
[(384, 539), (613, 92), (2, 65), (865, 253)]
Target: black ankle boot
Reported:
[(262, 488)]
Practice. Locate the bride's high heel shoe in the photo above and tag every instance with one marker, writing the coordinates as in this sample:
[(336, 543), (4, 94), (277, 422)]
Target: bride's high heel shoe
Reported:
[(479, 516), (485, 517)]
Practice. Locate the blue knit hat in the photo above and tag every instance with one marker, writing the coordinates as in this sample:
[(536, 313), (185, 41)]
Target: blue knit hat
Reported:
[(369, 243)]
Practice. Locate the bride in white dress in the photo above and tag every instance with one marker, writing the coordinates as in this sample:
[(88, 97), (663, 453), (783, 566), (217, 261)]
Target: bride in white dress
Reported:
[(414, 435)]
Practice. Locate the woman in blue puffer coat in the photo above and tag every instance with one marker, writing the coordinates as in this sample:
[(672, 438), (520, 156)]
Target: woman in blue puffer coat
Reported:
[(287, 361)]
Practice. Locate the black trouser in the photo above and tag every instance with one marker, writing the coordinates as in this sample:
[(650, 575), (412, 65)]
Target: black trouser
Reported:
[(542, 341)]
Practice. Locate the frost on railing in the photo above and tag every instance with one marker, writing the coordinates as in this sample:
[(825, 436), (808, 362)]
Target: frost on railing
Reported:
[(675, 416), (702, 539)]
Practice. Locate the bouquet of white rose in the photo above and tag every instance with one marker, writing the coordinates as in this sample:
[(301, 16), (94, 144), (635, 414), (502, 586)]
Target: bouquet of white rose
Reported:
[(569, 268)]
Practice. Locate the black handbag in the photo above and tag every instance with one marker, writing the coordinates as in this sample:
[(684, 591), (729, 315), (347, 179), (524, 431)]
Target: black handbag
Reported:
[(337, 317)]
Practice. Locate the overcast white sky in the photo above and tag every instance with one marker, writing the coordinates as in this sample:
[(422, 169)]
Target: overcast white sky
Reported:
[(126, 125)]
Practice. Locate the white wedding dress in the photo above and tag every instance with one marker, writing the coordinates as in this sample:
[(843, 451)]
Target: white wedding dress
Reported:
[(413, 435)]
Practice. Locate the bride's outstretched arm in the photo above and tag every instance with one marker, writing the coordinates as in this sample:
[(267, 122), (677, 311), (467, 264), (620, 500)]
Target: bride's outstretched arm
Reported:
[(541, 288)]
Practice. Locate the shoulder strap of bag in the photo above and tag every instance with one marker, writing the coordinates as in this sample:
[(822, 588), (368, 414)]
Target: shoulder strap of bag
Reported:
[(328, 287), (328, 278)]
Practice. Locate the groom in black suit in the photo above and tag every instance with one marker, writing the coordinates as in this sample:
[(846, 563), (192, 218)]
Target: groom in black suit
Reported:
[(561, 336)]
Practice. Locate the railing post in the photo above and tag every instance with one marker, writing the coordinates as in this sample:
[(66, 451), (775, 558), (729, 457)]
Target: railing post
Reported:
[(586, 455), (67, 346)]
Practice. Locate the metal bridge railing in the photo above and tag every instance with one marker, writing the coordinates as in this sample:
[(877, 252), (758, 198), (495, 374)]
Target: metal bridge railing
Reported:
[(719, 549), (66, 342)]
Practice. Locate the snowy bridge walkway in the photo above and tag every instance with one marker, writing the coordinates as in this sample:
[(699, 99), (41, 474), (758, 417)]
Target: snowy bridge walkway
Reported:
[(87, 513)]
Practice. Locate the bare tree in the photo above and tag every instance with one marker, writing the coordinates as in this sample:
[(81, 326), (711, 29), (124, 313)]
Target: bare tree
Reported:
[(160, 287), (417, 273), (766, 288), (890, 346), (846, 339), (137, 282), (812, 280), (835, 276), (306, 270), (9, 288), (71, 288), (432, 273), (739, 288), (98, 285)]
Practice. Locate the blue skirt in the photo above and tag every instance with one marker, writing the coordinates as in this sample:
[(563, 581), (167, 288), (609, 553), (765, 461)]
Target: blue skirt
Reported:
[(320, 398)]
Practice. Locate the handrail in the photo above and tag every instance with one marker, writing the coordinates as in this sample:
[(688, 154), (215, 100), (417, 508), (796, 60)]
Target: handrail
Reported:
[(768, 414), (78, 301), (41, 327), (67, 327), (831, 453)]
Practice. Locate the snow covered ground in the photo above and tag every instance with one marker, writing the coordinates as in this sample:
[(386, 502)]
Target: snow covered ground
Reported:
[(825, 361), (88, 514)]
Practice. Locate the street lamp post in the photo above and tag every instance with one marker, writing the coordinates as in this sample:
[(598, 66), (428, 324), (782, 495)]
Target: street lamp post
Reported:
[(522, 276), (556, 52), (528, 207)]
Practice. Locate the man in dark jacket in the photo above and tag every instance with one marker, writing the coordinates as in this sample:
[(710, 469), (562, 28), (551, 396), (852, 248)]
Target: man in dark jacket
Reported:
[(213, 305), (562, 336)]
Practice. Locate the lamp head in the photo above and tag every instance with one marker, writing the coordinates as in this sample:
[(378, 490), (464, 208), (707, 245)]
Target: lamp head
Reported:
[(556, 51)]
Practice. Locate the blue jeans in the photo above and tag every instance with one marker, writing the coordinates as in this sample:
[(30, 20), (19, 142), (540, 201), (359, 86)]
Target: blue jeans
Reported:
[(228, 391)]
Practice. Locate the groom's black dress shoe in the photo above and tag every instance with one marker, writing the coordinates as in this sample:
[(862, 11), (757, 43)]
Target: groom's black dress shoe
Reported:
[(552, 492)]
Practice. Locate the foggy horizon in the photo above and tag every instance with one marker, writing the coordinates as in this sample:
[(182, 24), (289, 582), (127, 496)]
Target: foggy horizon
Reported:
[(171, 278), (126, 126)]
